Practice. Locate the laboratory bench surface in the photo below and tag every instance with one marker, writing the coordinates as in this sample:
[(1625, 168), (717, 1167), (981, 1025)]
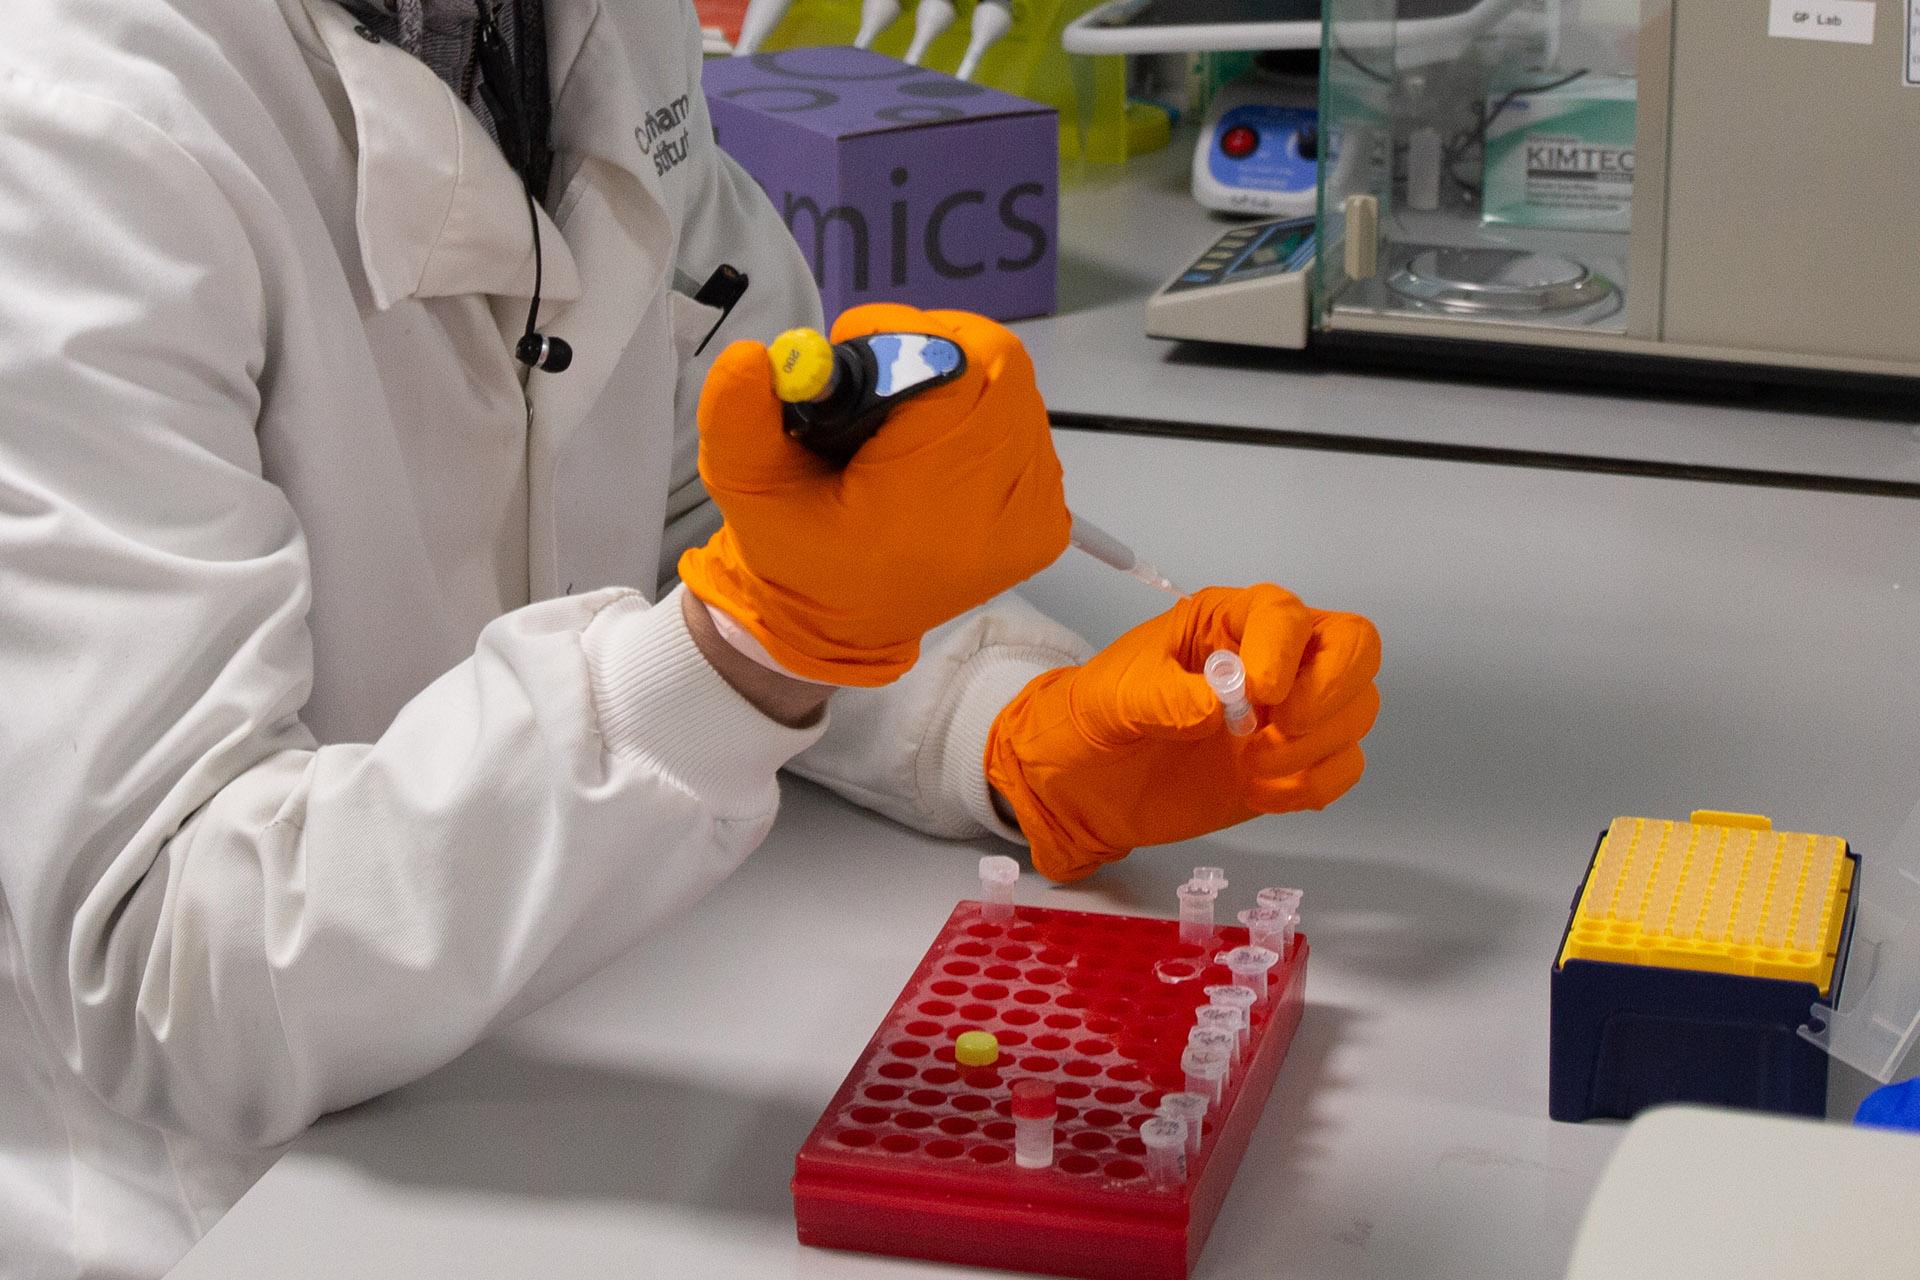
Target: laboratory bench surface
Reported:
[(1127, 230), (1561, 648)]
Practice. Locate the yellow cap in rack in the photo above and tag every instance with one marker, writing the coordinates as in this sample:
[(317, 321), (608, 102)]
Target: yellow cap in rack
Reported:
[(802, 365), (976, 1049)]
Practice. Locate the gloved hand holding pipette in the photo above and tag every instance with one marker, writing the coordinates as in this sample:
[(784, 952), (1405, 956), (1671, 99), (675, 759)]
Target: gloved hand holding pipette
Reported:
[(1131, 748), (837, 572), (1233, 703)]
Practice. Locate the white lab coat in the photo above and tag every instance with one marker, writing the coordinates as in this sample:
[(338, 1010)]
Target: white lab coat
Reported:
[(299, 794)]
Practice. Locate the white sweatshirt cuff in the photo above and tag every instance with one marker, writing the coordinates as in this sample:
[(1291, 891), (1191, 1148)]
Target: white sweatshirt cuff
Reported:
[(660, 700), (956, 780)]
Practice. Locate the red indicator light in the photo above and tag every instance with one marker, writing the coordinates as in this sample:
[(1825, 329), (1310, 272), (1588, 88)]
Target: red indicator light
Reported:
[(1239, 142)]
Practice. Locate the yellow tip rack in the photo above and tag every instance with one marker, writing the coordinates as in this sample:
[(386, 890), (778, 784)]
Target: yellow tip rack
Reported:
[(1694, 957), (1723, 892)]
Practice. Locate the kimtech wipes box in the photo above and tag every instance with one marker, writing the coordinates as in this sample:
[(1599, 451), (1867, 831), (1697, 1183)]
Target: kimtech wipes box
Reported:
[(900, 184), (1562, 157)]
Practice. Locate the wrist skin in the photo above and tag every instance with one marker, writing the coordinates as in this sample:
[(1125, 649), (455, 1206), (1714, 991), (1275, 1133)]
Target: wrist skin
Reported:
[(797, 704)]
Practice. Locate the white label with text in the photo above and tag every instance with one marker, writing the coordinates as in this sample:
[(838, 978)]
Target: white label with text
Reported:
[(1847, 21)]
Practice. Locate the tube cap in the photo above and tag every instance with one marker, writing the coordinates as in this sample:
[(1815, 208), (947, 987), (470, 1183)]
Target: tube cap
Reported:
[(1034, 1099), (976, 1049)]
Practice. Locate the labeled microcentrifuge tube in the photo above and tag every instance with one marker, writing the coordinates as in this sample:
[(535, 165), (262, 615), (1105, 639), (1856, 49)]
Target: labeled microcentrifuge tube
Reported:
[(1035, 1106), (1165, 1138), (1206, 1072), (997, 876), (1286, 901), (1196, 912), (1249, 966), (1190, 1107), (1226, 675), (1213, 878), (1240, 999), (1225, 1042), (1218, 1017), (1266, 927)]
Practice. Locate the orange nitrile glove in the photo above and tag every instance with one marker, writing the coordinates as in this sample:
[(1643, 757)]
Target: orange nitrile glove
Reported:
[(1132, 748), (840, 572)]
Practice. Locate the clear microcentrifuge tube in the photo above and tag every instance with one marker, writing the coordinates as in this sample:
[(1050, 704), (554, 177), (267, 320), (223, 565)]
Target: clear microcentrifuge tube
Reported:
[(1190, 1107), (1196, 911), (1035, 1104), (1232, 996), (1225, 1042), (998, 873), (1206, 1072), (1266, 927), (1214, 878), (1218, 1017), (1288, 902), (1249, 966), (1165, 1138), (1226, 675)]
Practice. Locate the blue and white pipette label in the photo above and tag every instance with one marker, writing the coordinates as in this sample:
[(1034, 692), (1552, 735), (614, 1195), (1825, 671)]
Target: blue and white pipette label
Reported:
[(907, 360)]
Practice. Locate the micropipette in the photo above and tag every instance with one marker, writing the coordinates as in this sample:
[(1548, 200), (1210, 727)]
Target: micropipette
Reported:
[(838, 394), (991, 20), (875, 16), (761, 18), (931, 18)]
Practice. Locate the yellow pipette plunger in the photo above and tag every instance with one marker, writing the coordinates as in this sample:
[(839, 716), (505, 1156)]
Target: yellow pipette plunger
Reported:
[(838, 395)]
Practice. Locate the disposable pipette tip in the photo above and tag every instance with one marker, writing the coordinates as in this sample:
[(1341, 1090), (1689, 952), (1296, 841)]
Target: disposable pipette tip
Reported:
[(1110, 551)]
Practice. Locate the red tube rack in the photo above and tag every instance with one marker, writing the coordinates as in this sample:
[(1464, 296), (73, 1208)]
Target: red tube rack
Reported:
[(914, 1155)]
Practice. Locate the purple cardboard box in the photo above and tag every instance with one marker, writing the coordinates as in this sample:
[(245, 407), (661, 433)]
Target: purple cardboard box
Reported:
[(901, 184)]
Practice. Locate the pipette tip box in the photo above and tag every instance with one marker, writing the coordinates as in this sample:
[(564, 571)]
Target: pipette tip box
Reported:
[(913, 1157), (1692, 957)]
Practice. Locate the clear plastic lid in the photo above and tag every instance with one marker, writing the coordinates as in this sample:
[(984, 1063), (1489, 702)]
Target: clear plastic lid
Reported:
[(1877, 1018)]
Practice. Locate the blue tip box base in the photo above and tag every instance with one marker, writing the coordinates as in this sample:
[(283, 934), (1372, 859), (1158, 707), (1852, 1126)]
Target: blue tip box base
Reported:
[(1626, 1037)]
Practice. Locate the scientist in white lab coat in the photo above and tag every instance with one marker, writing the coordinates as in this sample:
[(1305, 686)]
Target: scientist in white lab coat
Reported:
[(336, 726)]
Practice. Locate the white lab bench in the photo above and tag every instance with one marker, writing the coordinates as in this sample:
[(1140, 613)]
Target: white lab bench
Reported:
[(1561, 647)]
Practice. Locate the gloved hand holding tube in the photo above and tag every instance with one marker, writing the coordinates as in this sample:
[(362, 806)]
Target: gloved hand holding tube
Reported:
[(1131, 748), (839, 571)]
